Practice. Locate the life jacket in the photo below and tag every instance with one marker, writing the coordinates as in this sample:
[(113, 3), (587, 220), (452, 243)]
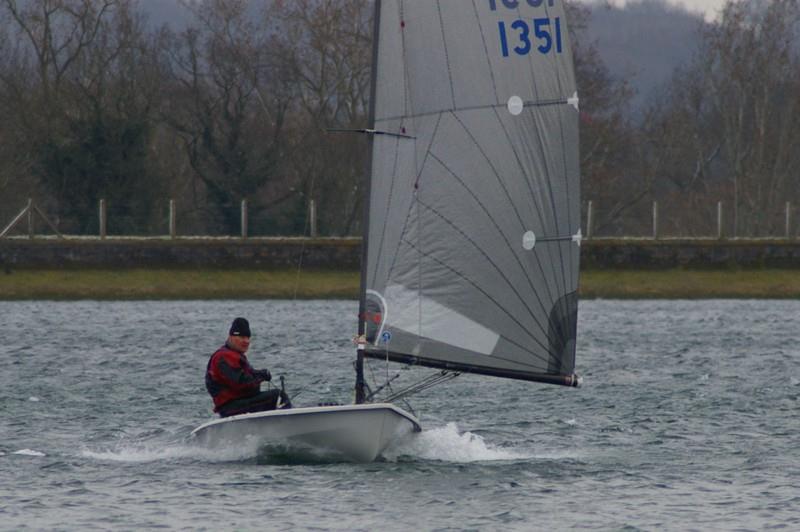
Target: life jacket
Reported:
[(230, 376)]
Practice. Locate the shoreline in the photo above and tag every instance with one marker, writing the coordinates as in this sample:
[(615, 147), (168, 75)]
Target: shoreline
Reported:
[(199, 284)]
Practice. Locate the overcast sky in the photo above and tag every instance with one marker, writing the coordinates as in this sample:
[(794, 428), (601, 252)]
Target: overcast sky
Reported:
[(710, 8)]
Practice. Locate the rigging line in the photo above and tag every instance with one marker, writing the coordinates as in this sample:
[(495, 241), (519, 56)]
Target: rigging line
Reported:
[(511, 202), (446, 54), (406, 92), (388, 208), (412, 390), (411, 205), (484, 253), (539, 206), (415, 386), (426, 383), (486, 50), (530, 103), (505, 311), (306, 223), (372, 374), (380, 388)]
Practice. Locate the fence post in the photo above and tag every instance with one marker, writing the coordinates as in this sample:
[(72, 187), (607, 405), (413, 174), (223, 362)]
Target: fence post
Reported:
[(29, 208), (720, 234), (788, 220), (589, 220), (655, 220), (244, 218), (103, 219), (172, 224), (312, 218)]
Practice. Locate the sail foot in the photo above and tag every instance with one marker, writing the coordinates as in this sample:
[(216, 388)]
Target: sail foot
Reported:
[(572, 381)]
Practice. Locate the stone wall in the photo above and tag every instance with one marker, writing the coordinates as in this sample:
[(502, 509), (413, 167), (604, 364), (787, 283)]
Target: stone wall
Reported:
[(345, 253), (161, 253)]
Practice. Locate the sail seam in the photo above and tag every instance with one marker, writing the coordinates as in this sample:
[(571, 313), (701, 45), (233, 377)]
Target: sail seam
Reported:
[(547, 166), (503, 236), (549, 190), (379, 256), (560, 82), (446, 54), (502, 308), (536, 200), (510, 201), (486, 51), (499, 271), (411, 205)]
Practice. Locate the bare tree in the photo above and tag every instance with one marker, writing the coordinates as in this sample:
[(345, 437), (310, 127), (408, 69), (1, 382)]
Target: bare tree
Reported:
[(80, 96), (728, 125), (327, 50), (609, 172), (227, 104)]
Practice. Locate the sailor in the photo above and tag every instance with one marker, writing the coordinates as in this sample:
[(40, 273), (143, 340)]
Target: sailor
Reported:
[(233, 383)]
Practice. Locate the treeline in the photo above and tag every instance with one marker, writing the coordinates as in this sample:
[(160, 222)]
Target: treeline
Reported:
[(97, 102), (724, 129)]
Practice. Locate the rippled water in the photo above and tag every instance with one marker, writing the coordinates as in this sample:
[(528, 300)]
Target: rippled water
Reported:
[(688, 420)]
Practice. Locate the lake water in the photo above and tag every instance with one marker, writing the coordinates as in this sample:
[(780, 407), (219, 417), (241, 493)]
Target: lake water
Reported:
[(688, 419)]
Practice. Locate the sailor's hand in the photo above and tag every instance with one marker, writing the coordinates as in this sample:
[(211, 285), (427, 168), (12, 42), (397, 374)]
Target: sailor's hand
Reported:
[(263, 374)]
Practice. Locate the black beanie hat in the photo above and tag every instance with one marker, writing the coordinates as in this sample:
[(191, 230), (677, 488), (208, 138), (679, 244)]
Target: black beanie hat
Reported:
[(240, 327)]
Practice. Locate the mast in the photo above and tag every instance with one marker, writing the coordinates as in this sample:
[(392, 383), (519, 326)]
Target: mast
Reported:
[(359, 387)]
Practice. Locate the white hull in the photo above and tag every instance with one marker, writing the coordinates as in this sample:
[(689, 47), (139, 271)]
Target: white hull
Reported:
[(359, 432)]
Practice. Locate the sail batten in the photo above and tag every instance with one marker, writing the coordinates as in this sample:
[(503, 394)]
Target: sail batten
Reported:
[(503, 105), (483, 164)]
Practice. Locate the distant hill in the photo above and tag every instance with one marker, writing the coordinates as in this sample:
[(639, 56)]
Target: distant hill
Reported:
[(644, 42)]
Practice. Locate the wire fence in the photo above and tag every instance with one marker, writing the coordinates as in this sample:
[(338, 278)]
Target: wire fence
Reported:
[(659, 223)]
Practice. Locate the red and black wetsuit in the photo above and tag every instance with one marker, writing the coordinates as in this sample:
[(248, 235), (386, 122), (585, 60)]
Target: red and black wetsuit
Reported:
[(229, 376)]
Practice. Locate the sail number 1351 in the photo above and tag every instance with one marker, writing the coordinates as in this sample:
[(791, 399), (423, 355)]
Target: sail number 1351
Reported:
[(521, 36)]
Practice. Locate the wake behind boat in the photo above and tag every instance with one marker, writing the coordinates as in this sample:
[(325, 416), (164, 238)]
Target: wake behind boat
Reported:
[(356, 432)]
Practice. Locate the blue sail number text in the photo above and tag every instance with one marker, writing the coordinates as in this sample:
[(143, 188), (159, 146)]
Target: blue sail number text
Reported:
[(514, 4), (544, 33)]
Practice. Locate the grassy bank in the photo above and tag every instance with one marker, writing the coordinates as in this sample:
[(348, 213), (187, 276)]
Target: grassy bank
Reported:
[(692, 284), (177, 284), (286, 284)]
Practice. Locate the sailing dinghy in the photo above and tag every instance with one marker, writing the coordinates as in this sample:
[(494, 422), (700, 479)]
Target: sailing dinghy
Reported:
[(472, 221)]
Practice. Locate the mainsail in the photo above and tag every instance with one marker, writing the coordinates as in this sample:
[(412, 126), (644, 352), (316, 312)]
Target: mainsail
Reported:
[(473, 234)]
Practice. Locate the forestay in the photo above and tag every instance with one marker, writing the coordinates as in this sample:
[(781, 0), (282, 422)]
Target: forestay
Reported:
[(474, 211)]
